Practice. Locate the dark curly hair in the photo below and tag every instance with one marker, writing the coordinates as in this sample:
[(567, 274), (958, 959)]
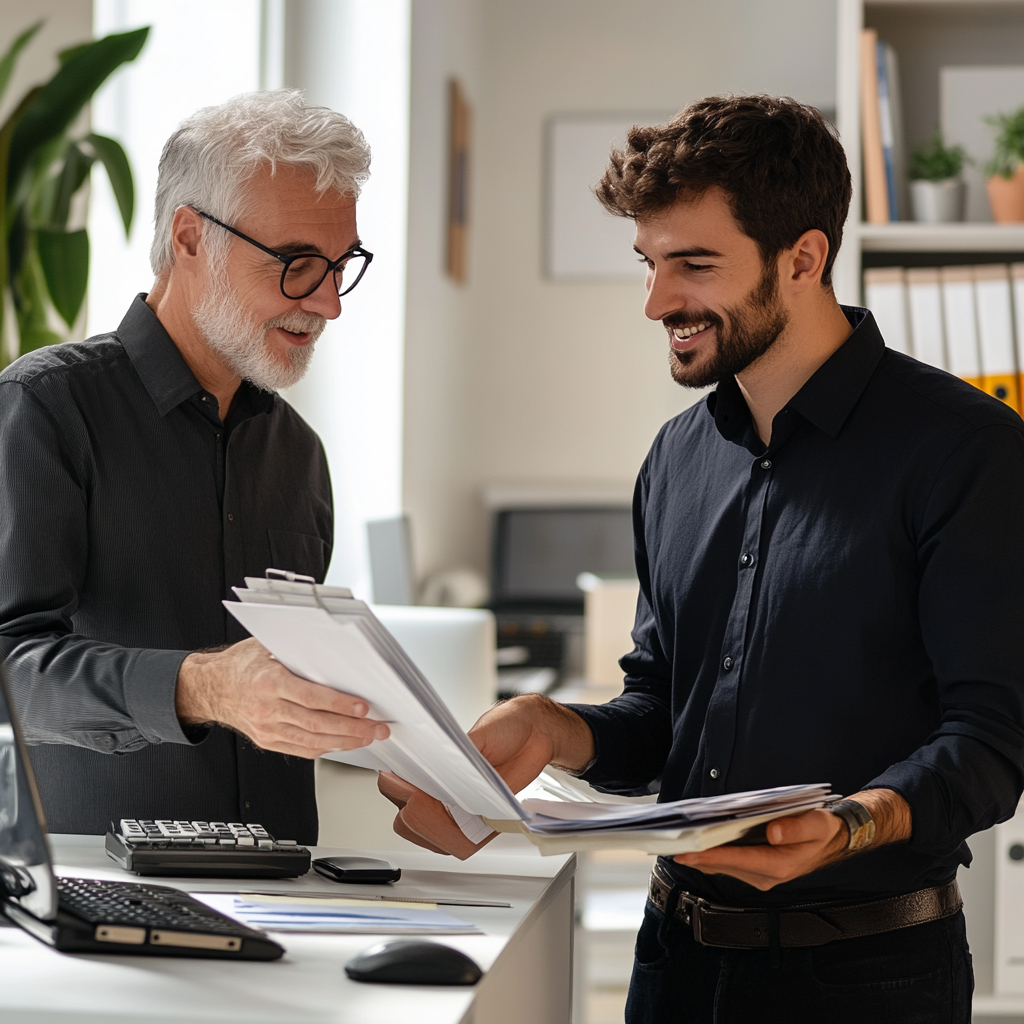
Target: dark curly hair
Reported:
[(779, 162)]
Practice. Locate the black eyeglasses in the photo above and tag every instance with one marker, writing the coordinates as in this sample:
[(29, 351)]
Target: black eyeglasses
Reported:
[(304, 272)]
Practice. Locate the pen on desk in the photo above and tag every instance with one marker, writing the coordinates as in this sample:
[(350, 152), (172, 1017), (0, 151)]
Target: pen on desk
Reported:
[(396, 897)]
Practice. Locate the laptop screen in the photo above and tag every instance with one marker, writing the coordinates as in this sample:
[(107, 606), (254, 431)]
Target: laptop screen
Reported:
[(25, 871)]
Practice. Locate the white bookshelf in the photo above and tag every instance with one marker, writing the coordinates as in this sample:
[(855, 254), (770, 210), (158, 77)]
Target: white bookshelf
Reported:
[(926, 35)]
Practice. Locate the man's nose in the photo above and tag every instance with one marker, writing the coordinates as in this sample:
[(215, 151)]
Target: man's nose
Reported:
[(662, 298), (324, 300)]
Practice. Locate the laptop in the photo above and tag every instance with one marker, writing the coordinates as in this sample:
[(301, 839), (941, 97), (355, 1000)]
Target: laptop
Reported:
[(81, 915)]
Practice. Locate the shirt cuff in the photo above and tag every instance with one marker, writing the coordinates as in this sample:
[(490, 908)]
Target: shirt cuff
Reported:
[(150, 684)]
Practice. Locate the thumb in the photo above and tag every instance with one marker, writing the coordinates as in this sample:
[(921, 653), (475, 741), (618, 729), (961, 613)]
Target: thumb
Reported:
[(812, 826)]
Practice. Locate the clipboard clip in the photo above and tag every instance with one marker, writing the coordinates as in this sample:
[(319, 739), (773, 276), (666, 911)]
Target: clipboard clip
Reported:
[(289, 576)]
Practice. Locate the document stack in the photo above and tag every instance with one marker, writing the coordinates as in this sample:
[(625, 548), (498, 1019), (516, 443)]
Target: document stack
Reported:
[(968, 320), (322, 634)]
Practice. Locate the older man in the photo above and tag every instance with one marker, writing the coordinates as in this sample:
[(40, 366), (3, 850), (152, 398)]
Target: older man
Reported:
[(145, 472)]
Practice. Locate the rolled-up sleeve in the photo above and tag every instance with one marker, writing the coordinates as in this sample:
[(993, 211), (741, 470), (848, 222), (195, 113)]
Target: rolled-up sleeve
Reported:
[(68, 688)]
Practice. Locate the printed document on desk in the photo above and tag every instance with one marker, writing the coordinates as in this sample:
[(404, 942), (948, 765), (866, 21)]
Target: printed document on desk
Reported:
[(325, 636)]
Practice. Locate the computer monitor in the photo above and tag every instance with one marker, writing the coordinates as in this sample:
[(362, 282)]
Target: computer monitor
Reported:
[(26, 871), (539, 552)]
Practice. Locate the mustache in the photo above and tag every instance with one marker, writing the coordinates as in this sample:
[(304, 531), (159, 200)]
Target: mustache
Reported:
[(679, 320), (299, 323)]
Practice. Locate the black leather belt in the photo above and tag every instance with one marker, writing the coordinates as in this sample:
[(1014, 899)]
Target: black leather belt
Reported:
[(807, 924)]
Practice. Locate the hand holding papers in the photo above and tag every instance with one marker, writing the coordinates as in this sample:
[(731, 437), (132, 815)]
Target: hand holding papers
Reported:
[(323, 635)]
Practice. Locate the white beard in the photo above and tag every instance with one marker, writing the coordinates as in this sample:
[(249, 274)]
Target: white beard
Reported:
[(241, 340)]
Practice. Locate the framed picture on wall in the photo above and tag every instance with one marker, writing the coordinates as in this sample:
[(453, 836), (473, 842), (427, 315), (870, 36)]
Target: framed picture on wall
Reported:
[(582, 241), (459, 133)]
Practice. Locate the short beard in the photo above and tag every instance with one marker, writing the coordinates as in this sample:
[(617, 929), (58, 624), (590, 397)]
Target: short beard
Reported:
[(241, 340), (753, 328)]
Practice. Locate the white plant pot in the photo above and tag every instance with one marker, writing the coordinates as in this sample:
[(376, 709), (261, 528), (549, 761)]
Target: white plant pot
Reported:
[(938, 202)]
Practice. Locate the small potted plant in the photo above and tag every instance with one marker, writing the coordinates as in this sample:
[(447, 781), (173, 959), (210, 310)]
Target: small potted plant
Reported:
[(1005, 171), (936, 185)]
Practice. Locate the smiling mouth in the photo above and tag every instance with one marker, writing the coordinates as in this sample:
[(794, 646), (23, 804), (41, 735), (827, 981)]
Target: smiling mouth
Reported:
[(686, 337), (295, 337)]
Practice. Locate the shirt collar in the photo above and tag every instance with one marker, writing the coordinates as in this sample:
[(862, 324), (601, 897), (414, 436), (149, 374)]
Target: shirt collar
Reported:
[(163, 369), (826, 399)]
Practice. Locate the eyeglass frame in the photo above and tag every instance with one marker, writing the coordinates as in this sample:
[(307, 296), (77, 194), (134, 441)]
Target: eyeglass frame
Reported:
[(289, 258)]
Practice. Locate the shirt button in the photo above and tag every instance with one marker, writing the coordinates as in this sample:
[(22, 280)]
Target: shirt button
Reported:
[(746, 559), (204, 398), (217, 436), (727, 664), (713, 773), (231, 518), (766, 464)]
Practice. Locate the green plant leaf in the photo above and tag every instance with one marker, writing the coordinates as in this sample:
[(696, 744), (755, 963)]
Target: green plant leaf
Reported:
[(61, 99), (37, 337), (70, 179), (72, 51), (10, 58), (119, 171), (64, 257), (6, 131)]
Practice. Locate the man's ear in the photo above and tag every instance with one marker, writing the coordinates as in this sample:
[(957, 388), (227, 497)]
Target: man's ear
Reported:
[(186, 232), (804, 263)]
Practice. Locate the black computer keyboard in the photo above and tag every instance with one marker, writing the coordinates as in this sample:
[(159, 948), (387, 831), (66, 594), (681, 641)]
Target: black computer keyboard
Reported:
[(193, 849), (132, 917)]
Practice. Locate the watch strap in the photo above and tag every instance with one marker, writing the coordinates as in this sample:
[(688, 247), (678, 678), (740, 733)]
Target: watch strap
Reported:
[(858, 820)]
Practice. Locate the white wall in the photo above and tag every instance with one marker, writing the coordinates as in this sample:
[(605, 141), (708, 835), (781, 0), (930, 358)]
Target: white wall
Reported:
[(516, 378), (439, 482), (353, 56)]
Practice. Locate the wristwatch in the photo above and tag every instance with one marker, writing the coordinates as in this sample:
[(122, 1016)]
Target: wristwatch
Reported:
[(858, 820)]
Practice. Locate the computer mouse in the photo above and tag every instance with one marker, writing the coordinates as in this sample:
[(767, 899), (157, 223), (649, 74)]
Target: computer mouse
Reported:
[(413, 962)]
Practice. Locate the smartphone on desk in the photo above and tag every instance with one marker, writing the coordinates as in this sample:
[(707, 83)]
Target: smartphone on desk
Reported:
[(363, 870)]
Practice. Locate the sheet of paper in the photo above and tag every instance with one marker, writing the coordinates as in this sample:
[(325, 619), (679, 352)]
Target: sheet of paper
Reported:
[(293, 914), (312, 645)]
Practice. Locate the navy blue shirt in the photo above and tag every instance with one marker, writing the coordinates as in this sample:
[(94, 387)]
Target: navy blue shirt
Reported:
[(843, 606)]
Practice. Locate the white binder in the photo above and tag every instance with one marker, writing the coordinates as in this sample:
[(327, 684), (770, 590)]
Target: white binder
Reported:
[(995, 331), (885, 294), (927, 332), (961, 323)]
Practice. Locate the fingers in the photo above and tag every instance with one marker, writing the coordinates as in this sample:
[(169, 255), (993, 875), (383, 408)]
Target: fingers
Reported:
[(403, 830), (426, 822), (363, 730), (396, 789), (802, 828), (798, 845)]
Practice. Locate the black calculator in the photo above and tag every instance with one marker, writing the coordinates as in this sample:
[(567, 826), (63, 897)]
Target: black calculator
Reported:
[(203, 849)]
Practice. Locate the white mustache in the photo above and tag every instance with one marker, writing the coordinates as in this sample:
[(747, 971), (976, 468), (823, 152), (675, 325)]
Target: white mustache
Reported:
[(299, 323)]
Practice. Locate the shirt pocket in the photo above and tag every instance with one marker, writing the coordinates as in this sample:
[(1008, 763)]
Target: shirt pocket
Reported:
[(298, 552)]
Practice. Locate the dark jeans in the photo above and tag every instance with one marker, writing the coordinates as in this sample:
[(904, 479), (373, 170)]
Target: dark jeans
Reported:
[(919, 975)]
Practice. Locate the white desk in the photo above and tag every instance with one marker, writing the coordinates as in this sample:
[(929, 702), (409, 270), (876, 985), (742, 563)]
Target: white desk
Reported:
[(526, 952)]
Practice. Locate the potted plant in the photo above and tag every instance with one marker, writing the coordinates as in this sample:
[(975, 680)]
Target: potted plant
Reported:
[(44, 258), (936, 185), (1005, 171)]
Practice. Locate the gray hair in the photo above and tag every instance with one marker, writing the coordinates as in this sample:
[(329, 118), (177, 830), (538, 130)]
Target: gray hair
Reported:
[(213, 155)]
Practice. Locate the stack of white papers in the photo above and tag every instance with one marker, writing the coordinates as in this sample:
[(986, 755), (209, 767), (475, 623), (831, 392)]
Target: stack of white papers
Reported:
[(324, 635), (333, 914)]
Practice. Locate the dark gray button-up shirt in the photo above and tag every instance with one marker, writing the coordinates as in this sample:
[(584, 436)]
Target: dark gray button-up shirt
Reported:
[(128, 510), (844, 606)]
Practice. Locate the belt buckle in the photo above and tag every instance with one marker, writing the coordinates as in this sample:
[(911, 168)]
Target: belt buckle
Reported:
[(692, 914)]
